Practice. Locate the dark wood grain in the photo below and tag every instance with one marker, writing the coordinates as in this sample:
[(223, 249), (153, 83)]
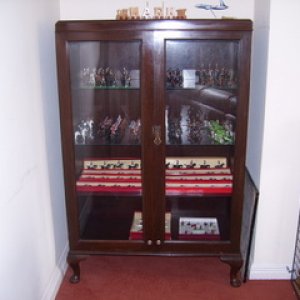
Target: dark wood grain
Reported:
[(101, 224)]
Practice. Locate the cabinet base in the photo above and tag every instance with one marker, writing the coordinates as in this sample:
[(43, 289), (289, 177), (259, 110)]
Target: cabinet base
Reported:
[(234, 261)]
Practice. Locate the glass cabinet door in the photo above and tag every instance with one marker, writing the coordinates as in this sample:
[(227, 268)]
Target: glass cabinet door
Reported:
[(106, 121), (201, 88)]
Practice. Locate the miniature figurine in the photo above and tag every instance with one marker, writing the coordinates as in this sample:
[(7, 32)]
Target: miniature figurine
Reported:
[(211, 8), (191, 165), (106, 165), (170, 12), (134, 13), (158, 13), (124, 14), (118, 15), (109, 77), (115, 130), (133, 165), (221, 133), (104, 128), (174, 78), (222, 77), (118, 165), (92, 165), (146, 13), (135, 131), (219, 165), (125, 77), (216, 74), (204, 165), (202, 75), (177, 165), (181, 13), (211, 75), (84, 132), (99, 77), (230, 78)]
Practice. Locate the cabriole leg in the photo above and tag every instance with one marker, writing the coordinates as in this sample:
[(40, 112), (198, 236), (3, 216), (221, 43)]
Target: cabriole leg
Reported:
[(73, 261), (235, 263)]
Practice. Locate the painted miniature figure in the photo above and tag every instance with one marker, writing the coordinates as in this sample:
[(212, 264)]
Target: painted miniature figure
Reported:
[(170, 13), (125, 78), (146, 13), (134, 13), (181, 13), (158, 13), (84, 132)]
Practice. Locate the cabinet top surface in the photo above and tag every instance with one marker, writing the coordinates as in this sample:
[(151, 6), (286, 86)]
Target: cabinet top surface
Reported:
[(187, 24)]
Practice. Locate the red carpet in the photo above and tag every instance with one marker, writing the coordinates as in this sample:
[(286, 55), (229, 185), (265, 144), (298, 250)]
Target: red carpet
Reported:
[(160, 278)]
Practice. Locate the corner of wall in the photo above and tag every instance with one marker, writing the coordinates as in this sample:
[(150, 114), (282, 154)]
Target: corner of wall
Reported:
[(57, 276)]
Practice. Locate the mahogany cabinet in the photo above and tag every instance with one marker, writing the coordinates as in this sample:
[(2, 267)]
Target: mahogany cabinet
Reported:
[(153, 125)]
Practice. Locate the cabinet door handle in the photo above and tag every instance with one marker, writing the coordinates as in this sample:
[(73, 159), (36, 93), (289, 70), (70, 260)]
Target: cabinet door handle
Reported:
[(156, 132), (149, 242)]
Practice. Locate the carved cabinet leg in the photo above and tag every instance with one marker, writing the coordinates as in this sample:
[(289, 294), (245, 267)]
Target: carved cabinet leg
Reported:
[(73, 261), (235, 263)]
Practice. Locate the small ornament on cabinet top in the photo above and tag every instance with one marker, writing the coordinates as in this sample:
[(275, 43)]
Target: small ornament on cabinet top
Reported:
[(159, 12)]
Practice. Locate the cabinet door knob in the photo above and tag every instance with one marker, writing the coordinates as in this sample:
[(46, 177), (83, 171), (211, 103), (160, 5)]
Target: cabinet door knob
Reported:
[(156, 132), (158, 242), (149, 242)]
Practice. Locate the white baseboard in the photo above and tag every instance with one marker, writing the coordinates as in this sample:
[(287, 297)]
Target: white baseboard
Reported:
[(269, 272), (57, 276)]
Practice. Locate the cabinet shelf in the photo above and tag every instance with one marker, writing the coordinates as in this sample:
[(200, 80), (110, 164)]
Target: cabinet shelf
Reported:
[(111, 88), (200, 87), (105, 228), (189, 176)]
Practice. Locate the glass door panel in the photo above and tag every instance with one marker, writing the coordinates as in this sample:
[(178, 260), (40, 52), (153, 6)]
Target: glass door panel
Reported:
[(201, 92), (106, 106)]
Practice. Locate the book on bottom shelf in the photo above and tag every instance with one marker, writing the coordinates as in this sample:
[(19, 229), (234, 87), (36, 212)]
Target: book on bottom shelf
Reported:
[(198, 229), (136, 231)]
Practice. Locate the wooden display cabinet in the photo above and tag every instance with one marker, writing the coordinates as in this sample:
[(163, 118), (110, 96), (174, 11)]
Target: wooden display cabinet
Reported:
[(153, 125)]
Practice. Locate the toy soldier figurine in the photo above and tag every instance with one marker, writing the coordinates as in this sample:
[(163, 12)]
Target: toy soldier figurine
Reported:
[(146, 13)]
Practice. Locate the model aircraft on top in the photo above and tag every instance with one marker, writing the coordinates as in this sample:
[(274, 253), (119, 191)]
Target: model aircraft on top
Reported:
[(210, 7)]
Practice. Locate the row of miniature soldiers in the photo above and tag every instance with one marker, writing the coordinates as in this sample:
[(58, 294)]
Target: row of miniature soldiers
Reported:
[(105, 77), (215, 76), (117, 165), (191, 165), (111, 130), (86, 131), (222, 77)]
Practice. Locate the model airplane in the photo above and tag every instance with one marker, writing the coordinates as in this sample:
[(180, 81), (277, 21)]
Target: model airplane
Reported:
[(210, 7)]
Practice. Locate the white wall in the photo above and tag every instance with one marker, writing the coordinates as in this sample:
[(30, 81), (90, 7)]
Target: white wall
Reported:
[(280, 165), (32, 213), (260, 48)]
